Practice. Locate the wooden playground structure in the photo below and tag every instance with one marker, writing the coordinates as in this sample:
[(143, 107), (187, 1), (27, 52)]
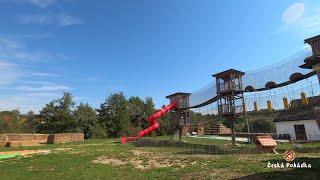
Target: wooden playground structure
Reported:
[(230, 91)]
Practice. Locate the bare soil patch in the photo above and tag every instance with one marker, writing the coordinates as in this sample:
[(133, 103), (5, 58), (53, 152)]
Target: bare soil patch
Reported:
[(109, 160), (63, 149), (146, 160)]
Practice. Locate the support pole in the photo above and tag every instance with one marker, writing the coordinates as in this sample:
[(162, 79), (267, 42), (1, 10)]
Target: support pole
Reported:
[(244, 108), (304, 99), (180, 133), (269, 103), (248, 128), (233, 131), (286, 103), (255, 105), (317, 69)]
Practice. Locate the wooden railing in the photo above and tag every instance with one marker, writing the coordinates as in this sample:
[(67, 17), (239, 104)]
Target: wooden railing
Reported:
[(227, 109)]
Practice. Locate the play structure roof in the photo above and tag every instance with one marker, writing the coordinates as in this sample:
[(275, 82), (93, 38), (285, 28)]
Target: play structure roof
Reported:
[(310, 61), (296, 114), (312, 39), (176, 94), (228, 72)]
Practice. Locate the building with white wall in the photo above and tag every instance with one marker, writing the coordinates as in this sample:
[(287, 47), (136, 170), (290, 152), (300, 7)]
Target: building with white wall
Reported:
[(297, 125)]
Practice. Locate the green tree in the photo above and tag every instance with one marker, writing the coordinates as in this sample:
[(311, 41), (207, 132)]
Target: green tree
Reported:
[(58, 116), (114, 115), (164, 126), (261, 126), (137, 111), (30, 123), (86, 118), (148, 111), (10, 122)]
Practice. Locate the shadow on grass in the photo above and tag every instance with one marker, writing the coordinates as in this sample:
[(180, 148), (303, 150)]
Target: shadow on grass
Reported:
[(196, 149), (308, 150), (313, 173), (302, 150)]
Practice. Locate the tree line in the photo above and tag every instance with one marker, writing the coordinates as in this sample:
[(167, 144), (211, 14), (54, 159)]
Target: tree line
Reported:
[(117, 116)]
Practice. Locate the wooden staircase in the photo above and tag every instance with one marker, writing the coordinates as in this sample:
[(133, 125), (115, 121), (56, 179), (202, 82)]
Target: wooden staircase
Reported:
[(217, 129)]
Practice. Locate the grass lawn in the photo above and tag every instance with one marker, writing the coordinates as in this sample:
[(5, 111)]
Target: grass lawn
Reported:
[(155, 159)]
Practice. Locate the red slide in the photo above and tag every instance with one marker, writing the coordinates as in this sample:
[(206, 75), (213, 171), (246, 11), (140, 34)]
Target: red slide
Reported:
[(154, 124)]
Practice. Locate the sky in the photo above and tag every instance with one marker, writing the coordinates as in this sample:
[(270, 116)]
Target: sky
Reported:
[(140, 47)]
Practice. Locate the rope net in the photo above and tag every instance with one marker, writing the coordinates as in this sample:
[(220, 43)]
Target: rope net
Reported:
[(277, 73)]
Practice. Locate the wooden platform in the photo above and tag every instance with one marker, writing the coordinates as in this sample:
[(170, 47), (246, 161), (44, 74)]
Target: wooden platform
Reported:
[(217, 129)]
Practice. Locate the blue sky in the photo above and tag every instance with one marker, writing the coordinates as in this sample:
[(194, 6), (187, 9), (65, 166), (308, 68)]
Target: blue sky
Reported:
[(143, 48)]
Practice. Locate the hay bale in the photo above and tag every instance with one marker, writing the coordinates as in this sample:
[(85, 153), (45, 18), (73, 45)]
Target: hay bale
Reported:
[(4, 141), (65, 137), (26, 139)]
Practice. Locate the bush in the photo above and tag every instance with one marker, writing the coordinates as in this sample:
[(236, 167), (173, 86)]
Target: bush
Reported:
[(261, 126), (98, 132)]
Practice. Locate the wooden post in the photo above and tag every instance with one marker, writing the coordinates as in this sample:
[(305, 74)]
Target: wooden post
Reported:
[(317, 112), (244, 108), (269, 103), (255, 105), (180, 133), (304, 99), (286, 103), (233, 131)]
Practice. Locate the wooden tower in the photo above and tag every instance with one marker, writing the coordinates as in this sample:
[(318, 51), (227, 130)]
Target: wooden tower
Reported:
[(313, 62), (230, 95), (179, 117)]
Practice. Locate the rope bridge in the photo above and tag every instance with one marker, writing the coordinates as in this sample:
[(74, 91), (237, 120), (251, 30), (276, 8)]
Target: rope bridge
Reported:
[(272, 83)]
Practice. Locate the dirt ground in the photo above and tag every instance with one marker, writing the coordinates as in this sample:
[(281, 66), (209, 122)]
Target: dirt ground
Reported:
[(146, 160)]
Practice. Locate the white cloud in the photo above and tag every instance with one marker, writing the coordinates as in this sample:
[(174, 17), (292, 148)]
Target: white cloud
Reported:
[(6, 43), (19, 86), (43, 88), (22, 55), (292, 13), (23, 103), (37, 36), (79, 98), (6, 65), (61, 19), (36, 82), (16, 51), (38, 3), (42, 3), (9, 72), (66, 20), (36, 19), (41, 94), (300, 20), (44, 74)]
